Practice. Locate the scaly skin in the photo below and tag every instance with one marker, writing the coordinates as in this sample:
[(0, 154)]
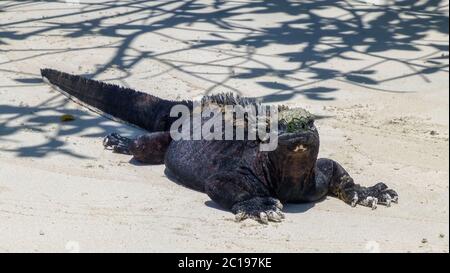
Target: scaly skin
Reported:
[(235, 174), (254, 184)]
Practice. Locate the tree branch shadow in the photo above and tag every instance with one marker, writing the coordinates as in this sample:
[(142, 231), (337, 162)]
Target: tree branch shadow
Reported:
[(310, 36)]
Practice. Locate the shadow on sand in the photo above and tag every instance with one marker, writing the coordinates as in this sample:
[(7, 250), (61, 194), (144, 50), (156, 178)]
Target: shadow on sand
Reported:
[(310, 35)]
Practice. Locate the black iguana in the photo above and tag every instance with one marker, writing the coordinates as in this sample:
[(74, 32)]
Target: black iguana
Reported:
[(235, 174)]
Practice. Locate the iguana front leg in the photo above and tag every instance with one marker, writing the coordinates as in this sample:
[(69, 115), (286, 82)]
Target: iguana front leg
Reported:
[(261, 209), (149, 148), (117, 143), (341, 185), (245, 197)]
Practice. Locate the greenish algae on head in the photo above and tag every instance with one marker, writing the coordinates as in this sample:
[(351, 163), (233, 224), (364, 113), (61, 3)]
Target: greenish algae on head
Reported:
[(295, 119)]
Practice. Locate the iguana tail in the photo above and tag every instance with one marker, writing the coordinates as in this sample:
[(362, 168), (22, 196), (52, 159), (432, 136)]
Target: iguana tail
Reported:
[(115, 102)]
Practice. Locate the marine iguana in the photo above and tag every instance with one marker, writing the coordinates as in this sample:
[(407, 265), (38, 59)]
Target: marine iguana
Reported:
[(235, 174)]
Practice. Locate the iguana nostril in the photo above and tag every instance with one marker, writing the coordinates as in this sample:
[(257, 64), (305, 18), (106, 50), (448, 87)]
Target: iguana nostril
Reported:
[(300, 148)]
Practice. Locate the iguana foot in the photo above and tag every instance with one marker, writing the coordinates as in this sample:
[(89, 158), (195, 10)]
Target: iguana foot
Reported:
[(261, 209), (117, 143), (372, 196)]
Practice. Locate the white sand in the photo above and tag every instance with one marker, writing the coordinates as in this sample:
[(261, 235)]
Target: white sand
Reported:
[(60, 191)]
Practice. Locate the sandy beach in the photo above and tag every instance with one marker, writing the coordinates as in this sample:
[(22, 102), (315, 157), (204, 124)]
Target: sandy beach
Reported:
[(376, 76)]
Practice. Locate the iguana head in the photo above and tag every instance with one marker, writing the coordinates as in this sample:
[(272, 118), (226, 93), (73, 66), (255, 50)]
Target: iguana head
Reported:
[(296, 132), (296, 153)]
